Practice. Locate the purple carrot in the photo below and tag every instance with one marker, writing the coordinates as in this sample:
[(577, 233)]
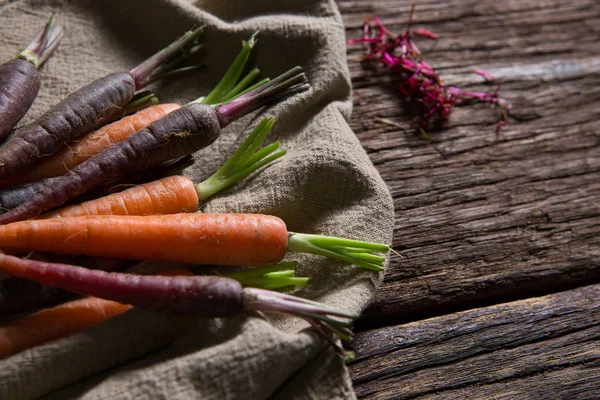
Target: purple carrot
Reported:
[(21, 296), (90, 107), (181, 132), (19, 80), (15, 196), (207, 296)]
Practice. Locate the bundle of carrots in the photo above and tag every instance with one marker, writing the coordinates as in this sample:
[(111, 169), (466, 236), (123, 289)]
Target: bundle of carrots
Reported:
[(67, 152)]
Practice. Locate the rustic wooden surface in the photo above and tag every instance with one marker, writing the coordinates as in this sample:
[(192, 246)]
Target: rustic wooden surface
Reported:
[(483, 219), (535, 348)]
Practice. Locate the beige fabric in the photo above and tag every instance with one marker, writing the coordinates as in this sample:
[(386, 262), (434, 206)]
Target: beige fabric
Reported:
[(325, 184)]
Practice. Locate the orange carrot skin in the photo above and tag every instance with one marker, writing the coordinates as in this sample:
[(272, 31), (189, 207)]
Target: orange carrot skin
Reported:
[(76, 152), (220, 239), (170, 195), (63, 320), (57, 322)]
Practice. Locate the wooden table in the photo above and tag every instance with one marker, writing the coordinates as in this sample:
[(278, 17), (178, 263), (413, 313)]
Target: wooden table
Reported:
[(496, 291)]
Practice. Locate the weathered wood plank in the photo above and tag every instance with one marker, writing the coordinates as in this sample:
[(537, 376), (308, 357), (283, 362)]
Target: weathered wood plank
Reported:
[(482, 218), (541, 348)]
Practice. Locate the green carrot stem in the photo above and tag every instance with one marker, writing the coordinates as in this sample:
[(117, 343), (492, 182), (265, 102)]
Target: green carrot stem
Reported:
[(280, 274), (140, 101), (243, 162), (250, 159), (291, 82), (227, 83), (243, 83), (261, 271), (271, 283), (243, 92), (350, 251), (270, 276)]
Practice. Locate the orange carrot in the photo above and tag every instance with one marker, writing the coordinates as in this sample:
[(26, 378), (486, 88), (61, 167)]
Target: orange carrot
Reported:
[(244, 240), (177, 194), (170, 195), (57, 322), (62, 320), (76, 152)]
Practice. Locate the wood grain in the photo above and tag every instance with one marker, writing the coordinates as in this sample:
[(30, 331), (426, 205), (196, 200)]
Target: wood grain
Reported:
[(482, 218), (540, 348)]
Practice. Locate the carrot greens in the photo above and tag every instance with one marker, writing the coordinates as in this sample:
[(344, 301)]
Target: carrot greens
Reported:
[(350, 251), (248, 158)]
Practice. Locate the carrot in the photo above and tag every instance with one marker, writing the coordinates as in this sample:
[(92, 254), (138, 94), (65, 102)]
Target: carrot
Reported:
[(60, 321), (207, 296), (57, 322), (20, 296), (77, 315), (169, 195), (182, 132), (244, 240), (89, 107), (177, 194), (76, 152), (19, 80)]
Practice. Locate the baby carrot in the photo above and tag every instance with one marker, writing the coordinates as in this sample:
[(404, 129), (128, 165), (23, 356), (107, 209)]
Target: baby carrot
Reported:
[(207, 296), (182, 132), (178, 194), (169, 195), (57, 322), (77, 315), (89, 107), (244, 240), (76, 152)]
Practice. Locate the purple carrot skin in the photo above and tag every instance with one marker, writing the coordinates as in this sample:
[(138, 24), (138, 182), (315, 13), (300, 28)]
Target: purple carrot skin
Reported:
[(15, 196), (19, 80), (181, 132), (89, 108), (22, 296), (207, 296)]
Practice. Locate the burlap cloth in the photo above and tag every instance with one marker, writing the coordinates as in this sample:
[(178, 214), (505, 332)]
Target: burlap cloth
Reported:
[(325, 184)]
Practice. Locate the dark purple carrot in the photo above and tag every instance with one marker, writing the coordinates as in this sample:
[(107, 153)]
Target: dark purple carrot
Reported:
[(207, 296), (19, 80), (21, 296), (90, 107), (14, 197), (181, 132), (18, 296)]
